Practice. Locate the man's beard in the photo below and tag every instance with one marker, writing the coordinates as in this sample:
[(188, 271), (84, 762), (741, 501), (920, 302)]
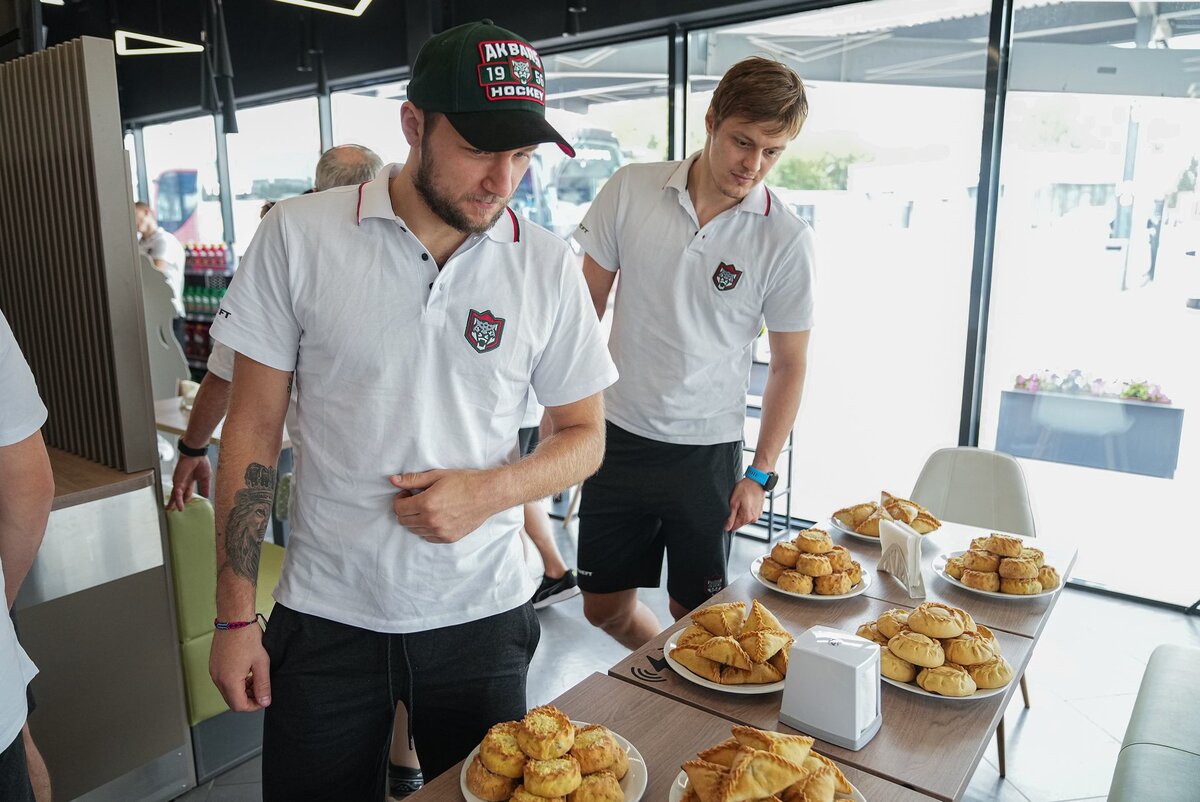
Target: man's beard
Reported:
[(444, 207)]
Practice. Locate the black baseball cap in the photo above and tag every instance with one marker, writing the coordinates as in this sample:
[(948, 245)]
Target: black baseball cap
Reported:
[(489, 83)]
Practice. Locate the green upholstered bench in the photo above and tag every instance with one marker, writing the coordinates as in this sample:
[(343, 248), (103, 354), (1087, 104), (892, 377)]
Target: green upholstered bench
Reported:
[(220, 738), (1160, 755)]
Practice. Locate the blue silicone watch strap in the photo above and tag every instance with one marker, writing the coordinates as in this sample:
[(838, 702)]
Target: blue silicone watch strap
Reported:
[(756, 475)]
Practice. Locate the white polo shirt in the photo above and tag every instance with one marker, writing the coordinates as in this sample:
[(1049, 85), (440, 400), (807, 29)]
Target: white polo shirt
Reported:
[(163, 245), (401, 368), (692, 300), (21, 414)]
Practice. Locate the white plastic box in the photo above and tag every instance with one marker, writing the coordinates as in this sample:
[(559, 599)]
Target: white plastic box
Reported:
[(833, 689)]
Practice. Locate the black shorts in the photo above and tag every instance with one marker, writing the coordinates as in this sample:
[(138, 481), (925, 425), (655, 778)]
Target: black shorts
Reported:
[(649, 497), (527, 439)]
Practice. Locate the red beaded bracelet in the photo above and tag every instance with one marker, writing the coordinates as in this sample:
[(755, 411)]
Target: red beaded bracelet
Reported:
[(223, 625)]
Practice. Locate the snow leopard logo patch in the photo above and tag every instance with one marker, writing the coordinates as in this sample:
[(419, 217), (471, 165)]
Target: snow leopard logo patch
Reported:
[(484, 331), (726, 277)]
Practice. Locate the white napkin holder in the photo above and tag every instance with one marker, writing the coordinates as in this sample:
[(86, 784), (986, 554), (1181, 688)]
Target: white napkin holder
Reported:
[(900, 556), (832, 690)]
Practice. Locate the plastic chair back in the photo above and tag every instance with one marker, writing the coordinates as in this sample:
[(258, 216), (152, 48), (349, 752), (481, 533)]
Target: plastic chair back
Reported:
[(976, 487)]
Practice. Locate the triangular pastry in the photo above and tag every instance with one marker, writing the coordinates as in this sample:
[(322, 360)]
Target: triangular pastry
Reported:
[(726, 651), (794, 748), (760, 618), (723, 753), (698, 665), (692, 637), (925, 523), (762, 645), (780, 660), (706, 779), (821, 784), (757, 774), (871, 525), (721, 619), (843, 785)]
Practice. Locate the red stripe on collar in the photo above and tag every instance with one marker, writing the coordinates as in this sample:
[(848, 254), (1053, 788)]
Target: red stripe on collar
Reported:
[(359, 211), (516, 225), (768, 211)]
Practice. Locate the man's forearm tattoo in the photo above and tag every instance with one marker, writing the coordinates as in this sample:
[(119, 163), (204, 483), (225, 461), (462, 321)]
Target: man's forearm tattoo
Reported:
[(247, 524)]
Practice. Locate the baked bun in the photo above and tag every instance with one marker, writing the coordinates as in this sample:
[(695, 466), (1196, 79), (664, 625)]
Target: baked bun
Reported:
[(968, 649), (1004, 545), (545, 733), (620, 766), (600, 787), (486, 785), (988, 636), (1018, 568), (692, 637), (980, 561), (1020, 587), (595, 748), (839, 558), (1048, 577), (891, 622), (979, 543), (920, 650), (501, 753), (981, 580), (936, 620), (1034, 554), (813, 541), (995, 673), (814, 565), (947, 679), (872, 632), (795, 582), (521, 795), (555, 777), (785, 553), (770, 570), (834, 584), (954, 567), (855, 572), (893, 667)]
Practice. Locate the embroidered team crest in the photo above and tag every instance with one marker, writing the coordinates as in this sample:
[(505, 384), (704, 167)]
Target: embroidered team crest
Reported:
[(521, 69), (726, 277), (511, 70), (484, 331)]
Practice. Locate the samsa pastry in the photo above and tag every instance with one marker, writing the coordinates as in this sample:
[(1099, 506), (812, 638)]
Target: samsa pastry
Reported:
[(839, 558), (770, 570), (948, 679), (893, 667), (521, 795), (795, 582), (1048, 577), (855, 572), (852, 516), (995, 673), (723, 753), (983, 561), (920, 650), (925, 523), (545, 733), (761, 646), (1034, 554), (872, 632), (780, 661), (692, 637), (486, 785), (595, 748), (954, 567), (795, 748), (721, 619), (981, 580), (988, 636), (979, 543), (936, 620), (870, 526), (1020, 587), (786, 554), (835, 584), (599, 787), (706, 779), (1004, 545), (901, 509), (556, 777), (500, 752), (1018, 568), (843, 785), (968, 649), (760, 618), (813, 541), (814, 565), (757, 774), (620, 766), (758, 674), (726, 651), (891, 622), (700, 666)]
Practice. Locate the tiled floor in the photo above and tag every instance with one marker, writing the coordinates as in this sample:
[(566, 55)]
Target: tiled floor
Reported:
[(1082, 682)]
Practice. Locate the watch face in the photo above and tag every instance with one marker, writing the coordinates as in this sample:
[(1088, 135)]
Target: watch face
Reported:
[(772, 480)]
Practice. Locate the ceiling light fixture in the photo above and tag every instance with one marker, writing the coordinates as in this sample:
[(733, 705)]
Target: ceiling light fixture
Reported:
[(123, 38), (357, 11), (54, 2)]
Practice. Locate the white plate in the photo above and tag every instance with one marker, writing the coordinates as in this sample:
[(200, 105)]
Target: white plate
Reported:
[(939, 567), (744, 690), (633, 784), (913, 687), (841, 530), (857, 589), (681, 781)]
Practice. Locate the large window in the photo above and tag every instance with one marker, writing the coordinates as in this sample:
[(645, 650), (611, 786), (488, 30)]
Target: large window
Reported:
[(1094, 267), (371, 117), (274, 156), (181, 168), (884, 170)]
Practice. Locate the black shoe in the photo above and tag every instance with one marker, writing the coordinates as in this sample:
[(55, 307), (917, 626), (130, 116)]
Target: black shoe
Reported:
[(403, 781), (553, 591)]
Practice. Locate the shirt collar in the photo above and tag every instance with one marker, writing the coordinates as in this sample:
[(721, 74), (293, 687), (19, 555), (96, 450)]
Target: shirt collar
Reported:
[(758, 201), (375, 200)]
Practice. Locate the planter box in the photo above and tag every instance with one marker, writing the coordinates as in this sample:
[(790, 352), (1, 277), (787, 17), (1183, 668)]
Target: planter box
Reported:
[(1110, 433)]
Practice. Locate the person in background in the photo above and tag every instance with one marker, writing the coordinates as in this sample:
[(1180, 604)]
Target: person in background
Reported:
[(167, 255), (26, 493), (558, 581), (413, 314), (706, 254)]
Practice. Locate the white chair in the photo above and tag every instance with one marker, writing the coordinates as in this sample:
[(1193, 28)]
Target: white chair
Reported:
[(977, 487)]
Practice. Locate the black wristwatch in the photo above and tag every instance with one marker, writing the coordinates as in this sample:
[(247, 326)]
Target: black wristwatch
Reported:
[(768, 480), (188, 451)]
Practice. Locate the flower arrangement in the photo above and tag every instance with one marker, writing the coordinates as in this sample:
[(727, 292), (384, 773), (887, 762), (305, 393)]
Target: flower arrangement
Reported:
[(1076, 382)]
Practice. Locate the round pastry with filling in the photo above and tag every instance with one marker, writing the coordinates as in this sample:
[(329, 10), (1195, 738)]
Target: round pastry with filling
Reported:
[(595, 748), (814, 565), (981, 580), (920, 650), (988, 636), (891, 622), (834, 584), (855, 572), (968, 649), (968, 621), (979, 543), (1034, 554), (555, 777), (795, 582), (814, 541), (1018, 568), (620, 766), (545, 733), (501, 753), (770, 570), (839, 558), (785, 553), (1020, 587), (893, 667), (1048, 577), (521, 795), (872, 633), (600, 787), (936, 620), (486, 785), (947, 679), (995, 673), (954, 567), (1004, 545), (980, 561)]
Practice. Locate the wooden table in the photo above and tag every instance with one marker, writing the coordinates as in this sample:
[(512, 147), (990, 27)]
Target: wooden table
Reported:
[(664, 731), (930, 745)]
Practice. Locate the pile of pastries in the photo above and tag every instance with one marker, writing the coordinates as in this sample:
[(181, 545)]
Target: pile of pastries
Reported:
[(1003, 564), (721, 647), (940, 648), (760, 765), (864, 518), (810, 563), (545, 758)]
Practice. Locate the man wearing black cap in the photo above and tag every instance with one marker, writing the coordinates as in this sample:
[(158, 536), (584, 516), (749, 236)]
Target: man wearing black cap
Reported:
[(413, 312)]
